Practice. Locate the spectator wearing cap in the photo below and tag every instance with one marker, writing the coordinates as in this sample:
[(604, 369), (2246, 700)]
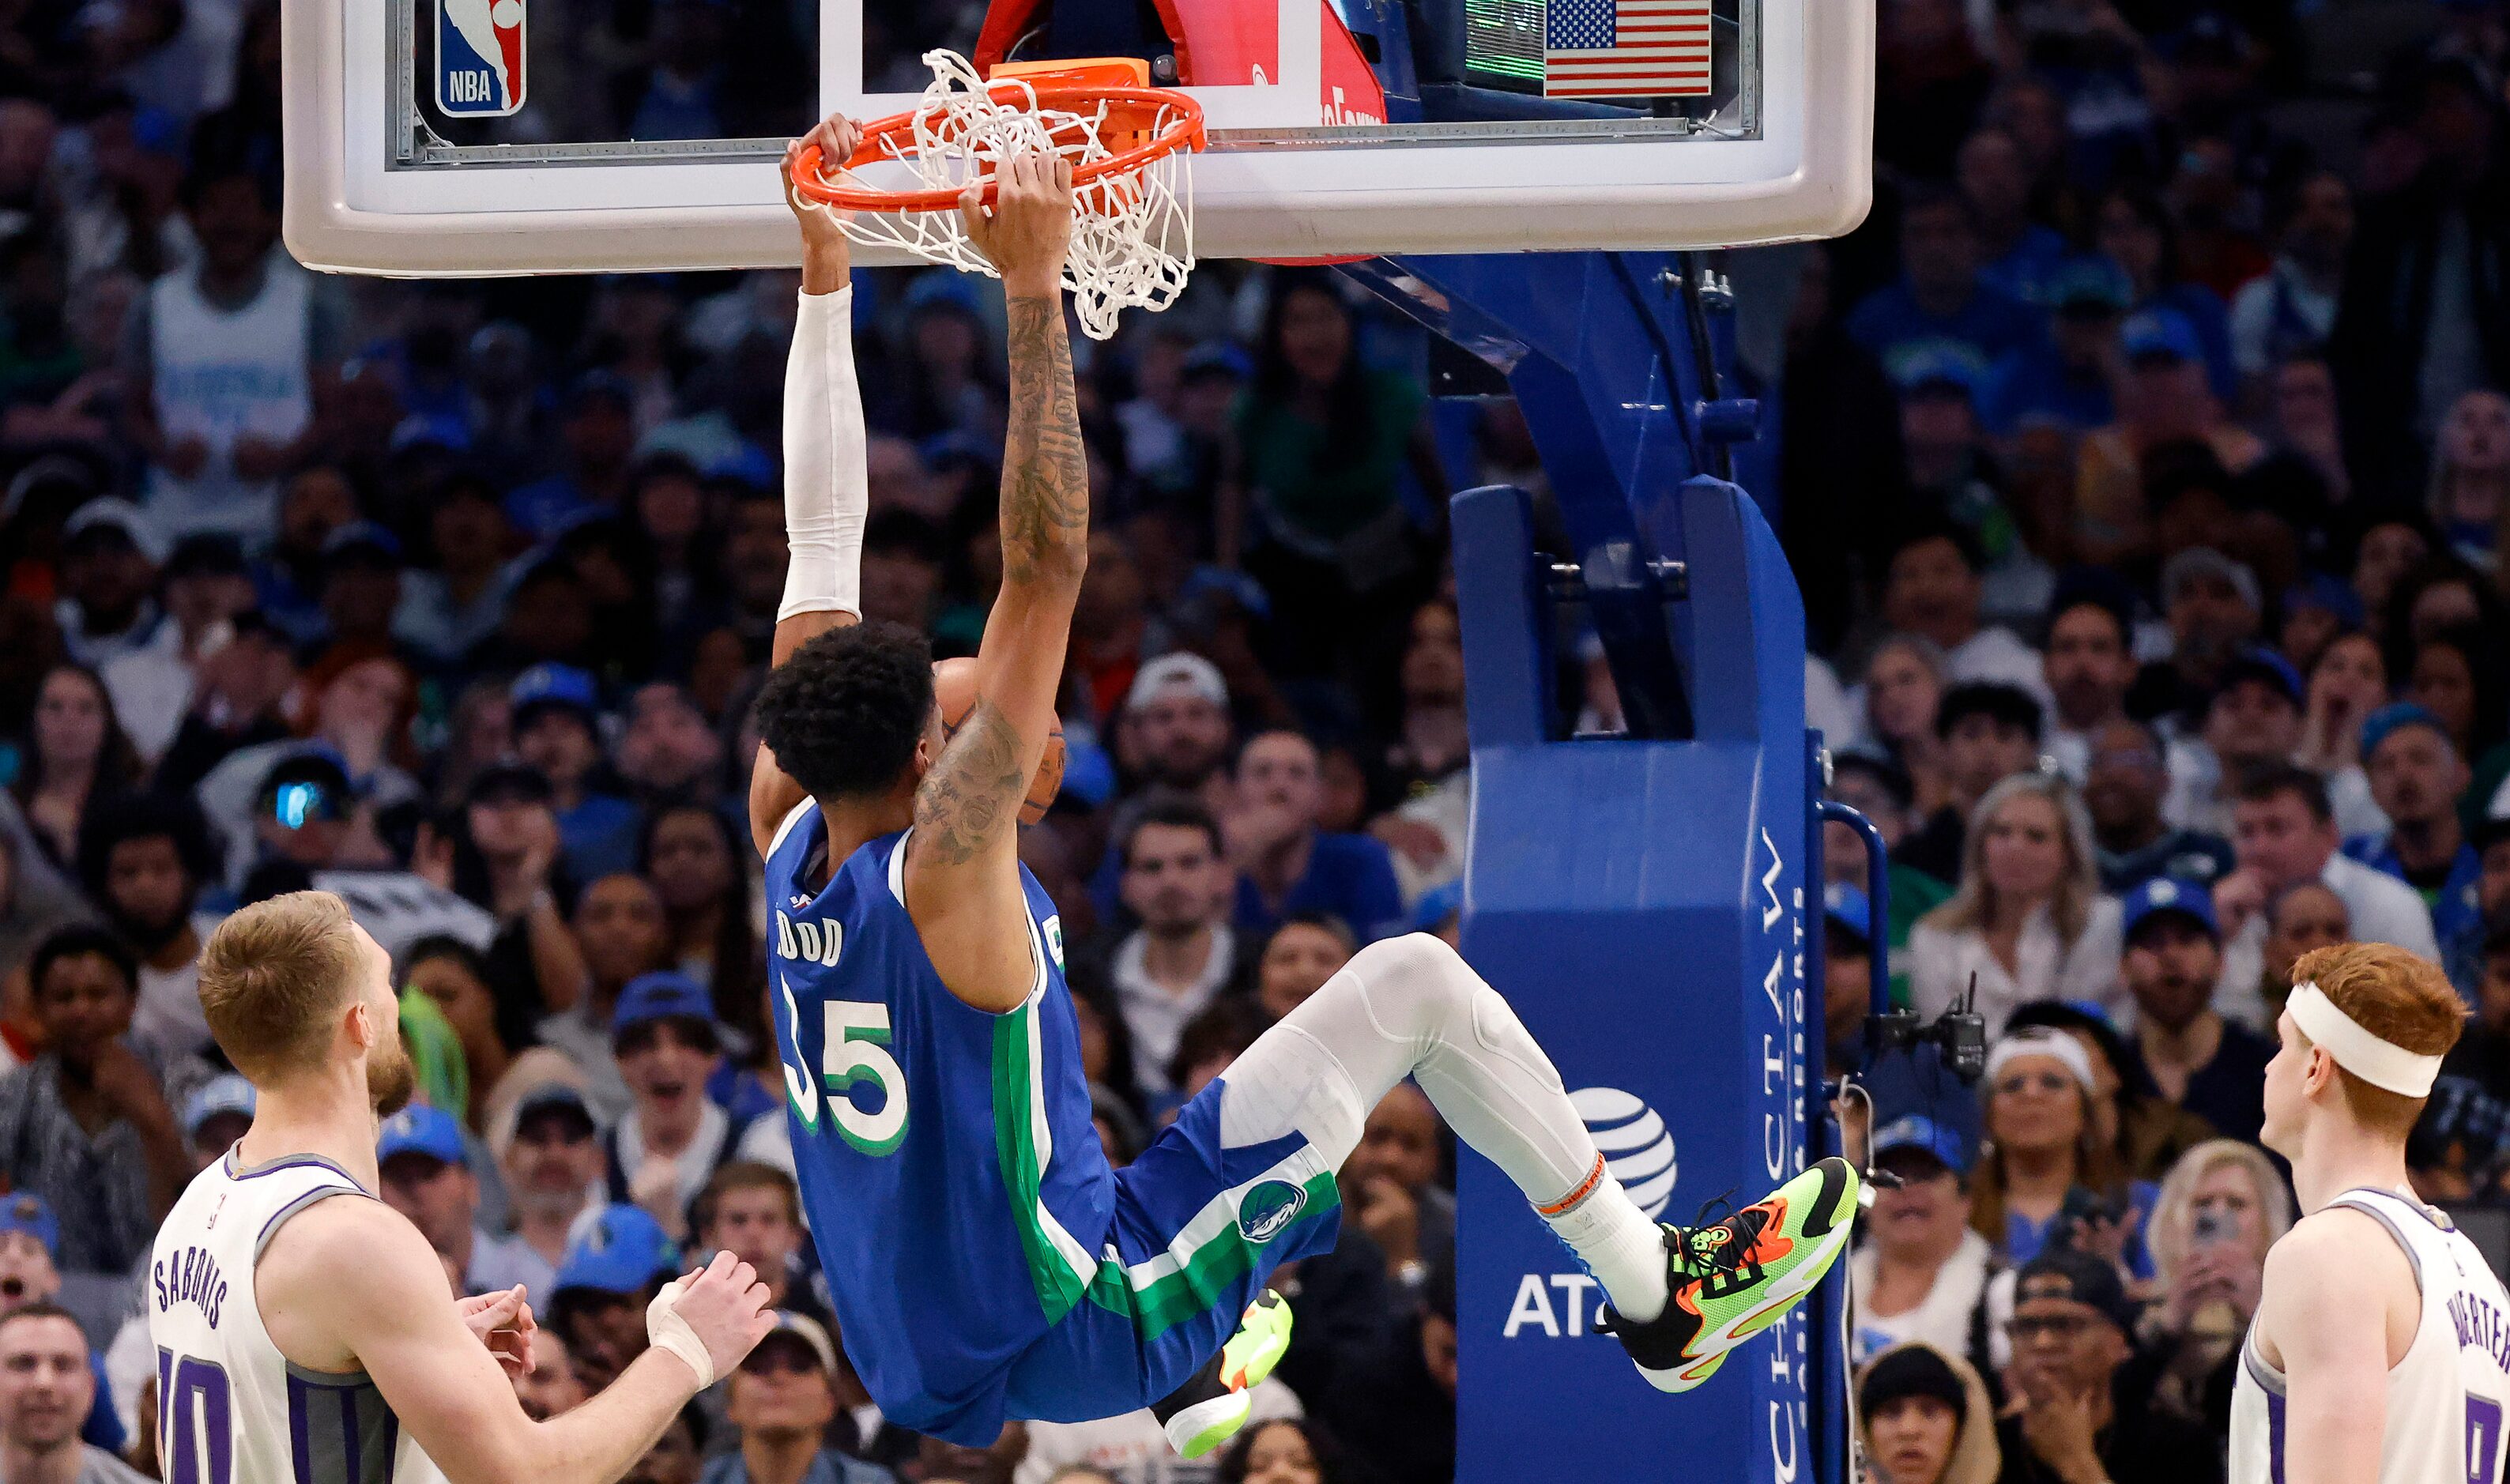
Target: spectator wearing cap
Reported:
[(784, 1396), (90, 1125), (2068, 381), (215, 1115), (1286, 864), (557, 729), (1921, 1271), (2164, 398), (2215, 609), (144, 859), (2222, 1208), (673, 1138), (2028, 920), (2285, 835), (206, 586), (596, 450), (1986, 733), (47, 1384), (426, 1171), (30, 1240), (1940, 295), (76, 758), (2088, 666), (549, 1149), (611, 1272), (1175, 729), (2416, 778), (2252, 723), (1928, 1417), (2212, 1067), (108, 561), (1934, 587), (2073, 1330), (1185, 953), (2125, 775), (451, 606), (2290, 309)]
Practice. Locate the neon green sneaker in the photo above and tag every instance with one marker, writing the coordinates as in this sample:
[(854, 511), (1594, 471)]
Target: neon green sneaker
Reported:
[(1731, 1280), (1208, 1410)]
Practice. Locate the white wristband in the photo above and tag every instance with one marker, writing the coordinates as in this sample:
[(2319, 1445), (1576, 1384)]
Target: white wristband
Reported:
[(827, 493), (667, 1331)]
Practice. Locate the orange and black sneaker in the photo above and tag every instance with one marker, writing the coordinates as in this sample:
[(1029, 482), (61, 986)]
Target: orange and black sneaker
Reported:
[(1733, 1280)]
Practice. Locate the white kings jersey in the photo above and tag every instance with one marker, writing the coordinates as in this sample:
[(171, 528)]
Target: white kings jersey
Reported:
[(2444, 1398), (230, 1408)]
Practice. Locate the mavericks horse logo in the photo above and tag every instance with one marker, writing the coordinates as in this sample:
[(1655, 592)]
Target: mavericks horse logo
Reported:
[(1270, 1208)]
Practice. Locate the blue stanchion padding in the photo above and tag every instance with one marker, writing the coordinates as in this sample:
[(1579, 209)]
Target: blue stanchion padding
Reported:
[(1642, 903)]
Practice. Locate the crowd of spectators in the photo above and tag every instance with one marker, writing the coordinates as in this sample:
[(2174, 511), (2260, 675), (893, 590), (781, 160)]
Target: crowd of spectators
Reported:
[(2145, 464)]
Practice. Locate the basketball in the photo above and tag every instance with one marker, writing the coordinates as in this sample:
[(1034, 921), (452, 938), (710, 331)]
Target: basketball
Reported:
[(954, 690)]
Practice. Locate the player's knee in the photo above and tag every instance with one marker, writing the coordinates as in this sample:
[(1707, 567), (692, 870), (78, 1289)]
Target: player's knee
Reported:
[(1416, 981)]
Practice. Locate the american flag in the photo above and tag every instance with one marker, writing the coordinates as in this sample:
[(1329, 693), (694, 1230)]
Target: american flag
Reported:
[(1609, 49)]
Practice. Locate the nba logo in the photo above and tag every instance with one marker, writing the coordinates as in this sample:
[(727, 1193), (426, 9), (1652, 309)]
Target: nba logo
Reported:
[(478, 58)]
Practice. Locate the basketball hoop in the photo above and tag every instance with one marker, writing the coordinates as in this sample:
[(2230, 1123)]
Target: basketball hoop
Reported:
[(1132, 219)]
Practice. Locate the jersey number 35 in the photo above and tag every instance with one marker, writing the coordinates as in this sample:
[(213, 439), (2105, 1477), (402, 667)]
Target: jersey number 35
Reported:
[(856, 1049)]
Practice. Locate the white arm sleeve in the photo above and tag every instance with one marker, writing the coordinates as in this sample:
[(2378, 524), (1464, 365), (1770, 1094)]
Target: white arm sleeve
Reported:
[(826, 493)]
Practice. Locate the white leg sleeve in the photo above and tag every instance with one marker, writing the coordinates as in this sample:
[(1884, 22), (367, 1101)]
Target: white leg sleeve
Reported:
[(1410, 1007), (826, 485)]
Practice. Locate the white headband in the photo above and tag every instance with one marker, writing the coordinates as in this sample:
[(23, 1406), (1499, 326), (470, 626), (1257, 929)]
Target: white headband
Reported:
[(2380, 1063), (2041, 1041)]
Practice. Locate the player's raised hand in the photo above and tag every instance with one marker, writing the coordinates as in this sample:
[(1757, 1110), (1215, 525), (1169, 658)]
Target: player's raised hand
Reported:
[(1028, 227), (836, 138), (722, 1306)]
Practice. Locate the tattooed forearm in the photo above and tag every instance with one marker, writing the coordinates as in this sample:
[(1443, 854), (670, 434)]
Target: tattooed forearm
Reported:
[(972, 795), (1045, 470)]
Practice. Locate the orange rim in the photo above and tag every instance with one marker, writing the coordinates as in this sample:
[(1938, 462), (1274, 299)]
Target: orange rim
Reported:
[(1129, 110)]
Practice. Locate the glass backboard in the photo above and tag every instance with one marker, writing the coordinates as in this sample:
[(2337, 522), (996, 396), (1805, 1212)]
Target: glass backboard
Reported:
[(487, 137)]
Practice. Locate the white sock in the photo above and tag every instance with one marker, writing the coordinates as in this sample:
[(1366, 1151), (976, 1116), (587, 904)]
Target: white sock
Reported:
[(1620, 1246), (1409, 1006)]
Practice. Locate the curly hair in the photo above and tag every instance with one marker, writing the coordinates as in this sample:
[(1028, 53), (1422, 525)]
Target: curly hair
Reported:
[(843, 715)]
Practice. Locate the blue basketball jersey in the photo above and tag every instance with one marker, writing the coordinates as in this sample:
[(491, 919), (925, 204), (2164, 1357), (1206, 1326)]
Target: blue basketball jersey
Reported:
[(946, 1156)]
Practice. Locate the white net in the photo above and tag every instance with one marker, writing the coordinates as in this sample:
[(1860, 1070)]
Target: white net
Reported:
[(1132, 231)]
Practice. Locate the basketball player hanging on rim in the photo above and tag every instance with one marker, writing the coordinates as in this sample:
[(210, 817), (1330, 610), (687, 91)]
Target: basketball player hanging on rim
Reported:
[(305, 1330), (2378, 1350), (985, 1260)]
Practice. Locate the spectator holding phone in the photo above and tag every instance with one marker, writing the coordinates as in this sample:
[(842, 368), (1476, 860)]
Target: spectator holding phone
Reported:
[(2219, 1211)]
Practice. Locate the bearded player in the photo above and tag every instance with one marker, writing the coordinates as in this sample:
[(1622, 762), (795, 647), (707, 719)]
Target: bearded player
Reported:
[(305, 1330), (2378, 1352), (985, 1260)]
